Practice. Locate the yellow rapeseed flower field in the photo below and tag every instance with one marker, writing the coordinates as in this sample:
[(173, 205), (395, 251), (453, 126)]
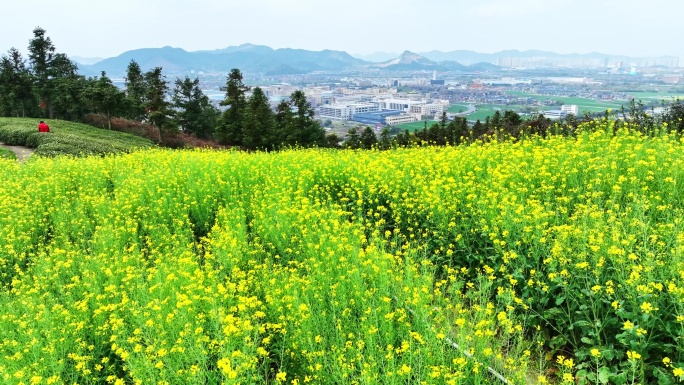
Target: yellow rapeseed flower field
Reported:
[(555, 260)]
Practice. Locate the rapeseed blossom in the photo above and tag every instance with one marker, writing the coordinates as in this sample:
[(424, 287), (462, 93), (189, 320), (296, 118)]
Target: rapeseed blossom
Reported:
[(428, 264)]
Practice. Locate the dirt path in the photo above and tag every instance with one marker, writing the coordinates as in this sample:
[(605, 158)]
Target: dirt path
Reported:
[(22, 152)]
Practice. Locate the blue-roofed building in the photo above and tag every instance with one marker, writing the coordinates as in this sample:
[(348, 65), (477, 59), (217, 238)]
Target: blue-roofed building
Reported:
[(375, 117)]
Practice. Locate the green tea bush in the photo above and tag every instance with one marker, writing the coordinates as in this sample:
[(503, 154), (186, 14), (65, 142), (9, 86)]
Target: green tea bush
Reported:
[(67, 138)]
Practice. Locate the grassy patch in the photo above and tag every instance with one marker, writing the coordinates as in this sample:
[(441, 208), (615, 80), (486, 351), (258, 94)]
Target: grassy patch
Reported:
[(656, 96), (415, 126), (67, 138), (458, 108), (7, 154)]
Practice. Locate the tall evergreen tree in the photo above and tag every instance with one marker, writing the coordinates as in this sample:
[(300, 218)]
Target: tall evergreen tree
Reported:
[(436, 135), (496, 121), (194, 113), (230, 125), (16, 90), (69, 102), (353, 139), (258, 123), (403, 139), (511, 122), (368, 138), (443, 121), (306, 130), (385, 139), (457, 131), (159, 113), (135, 91), (479, 129), (284, 119), (65, 87), (56, 81), (41, 54)]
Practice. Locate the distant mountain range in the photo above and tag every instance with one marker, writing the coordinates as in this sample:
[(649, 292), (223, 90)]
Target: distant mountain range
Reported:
[(86, 60), (409, 61), (250, 58), (466, 57)]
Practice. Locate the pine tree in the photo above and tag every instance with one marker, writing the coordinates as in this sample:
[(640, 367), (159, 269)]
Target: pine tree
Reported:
[(284, 130), (16, 89), (65, 87), (479, 129), (496, 120), (403, 139), (158, 109), (195, 114), (457, 131), (353, 140), (135, 92), (41, 54), (56, 79), (258, 123), (230, 125), (511, 122), (368, 138), (385, 139), (307, 131)]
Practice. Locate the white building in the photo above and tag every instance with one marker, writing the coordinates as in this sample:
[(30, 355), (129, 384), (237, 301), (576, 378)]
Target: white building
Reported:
[(555, 114), (417, 108), (345, 111), (570, 109), (400, 119)]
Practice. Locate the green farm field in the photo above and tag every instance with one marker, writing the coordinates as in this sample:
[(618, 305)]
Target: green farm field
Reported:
[(456, 108), (584, 104), (414, 126), (556, 260), (485, 110), (656, 96)]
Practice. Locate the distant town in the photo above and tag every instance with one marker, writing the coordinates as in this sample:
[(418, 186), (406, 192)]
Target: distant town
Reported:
[(415, 98)]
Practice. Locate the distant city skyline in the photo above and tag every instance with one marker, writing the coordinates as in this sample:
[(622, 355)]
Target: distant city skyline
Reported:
[(106, 29)]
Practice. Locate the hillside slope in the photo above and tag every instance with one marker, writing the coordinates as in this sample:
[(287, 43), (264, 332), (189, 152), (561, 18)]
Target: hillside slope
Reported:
[(67, 138)]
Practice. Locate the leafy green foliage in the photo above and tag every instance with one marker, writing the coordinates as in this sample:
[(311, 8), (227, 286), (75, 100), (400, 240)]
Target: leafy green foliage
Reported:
[(105, 98)]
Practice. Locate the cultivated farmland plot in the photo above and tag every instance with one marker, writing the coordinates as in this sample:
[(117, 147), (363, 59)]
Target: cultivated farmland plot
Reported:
[(545, 260)]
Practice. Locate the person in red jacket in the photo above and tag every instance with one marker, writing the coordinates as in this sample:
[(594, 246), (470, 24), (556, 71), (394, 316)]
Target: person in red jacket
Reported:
[(42, 127)]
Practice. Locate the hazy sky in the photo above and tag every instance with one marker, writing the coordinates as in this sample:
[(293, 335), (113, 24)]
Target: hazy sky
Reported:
[(106, 28)]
